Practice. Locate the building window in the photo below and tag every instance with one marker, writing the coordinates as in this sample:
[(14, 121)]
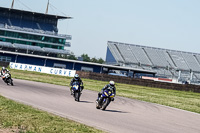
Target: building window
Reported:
[(13, 35), (5, 58), (87, 69), (57, 65)]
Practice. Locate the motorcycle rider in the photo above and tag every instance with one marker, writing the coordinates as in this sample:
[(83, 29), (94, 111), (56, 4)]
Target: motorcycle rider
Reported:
[(110, 85), (76, 78), (4, 71)]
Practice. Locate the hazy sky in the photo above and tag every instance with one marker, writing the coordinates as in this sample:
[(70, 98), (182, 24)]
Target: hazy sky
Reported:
[(170, 24)]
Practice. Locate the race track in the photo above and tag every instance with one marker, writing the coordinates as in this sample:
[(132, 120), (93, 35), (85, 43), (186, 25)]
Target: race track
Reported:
[(122, 116)]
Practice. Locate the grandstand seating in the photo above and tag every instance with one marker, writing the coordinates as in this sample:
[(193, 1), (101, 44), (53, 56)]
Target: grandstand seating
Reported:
[(185, 76), (178, 60), (198, 58), (167, 63), (155, 58), (68, 37), (6, 44), (126, 53), (115, 53), (2, 25), (163, 73), (140, 55), (32, 48), (191, 61), (197, 75), (165, 56), (56, 51), (26, 25)]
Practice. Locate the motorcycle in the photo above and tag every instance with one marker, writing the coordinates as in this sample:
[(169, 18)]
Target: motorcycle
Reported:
[(104, 100), (7, 79), (76, 91)]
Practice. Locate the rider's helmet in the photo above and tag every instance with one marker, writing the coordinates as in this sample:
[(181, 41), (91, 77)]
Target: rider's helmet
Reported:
[(76, 76), (112, 83), (3, 68)]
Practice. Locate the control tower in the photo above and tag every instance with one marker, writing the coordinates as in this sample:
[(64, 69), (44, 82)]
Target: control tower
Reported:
[(32, 30)]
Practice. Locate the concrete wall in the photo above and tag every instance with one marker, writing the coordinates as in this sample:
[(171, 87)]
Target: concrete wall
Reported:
[(142, 82)]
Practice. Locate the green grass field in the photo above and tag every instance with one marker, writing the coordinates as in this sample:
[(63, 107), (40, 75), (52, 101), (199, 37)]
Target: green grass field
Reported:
[(16, 117), (27, 119)]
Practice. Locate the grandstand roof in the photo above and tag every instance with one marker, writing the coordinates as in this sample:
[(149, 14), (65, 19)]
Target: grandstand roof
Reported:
[(36, 14)]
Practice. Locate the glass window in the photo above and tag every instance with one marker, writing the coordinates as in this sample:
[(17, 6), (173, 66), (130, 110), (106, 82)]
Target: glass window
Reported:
[(87, 69), (3, 58), (8, 59), (32, 37), (2, 32)]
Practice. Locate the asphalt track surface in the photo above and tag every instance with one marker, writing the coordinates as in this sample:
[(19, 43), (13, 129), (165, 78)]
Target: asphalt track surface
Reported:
[(122, 116)]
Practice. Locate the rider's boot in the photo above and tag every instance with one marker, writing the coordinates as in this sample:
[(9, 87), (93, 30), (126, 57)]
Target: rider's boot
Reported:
[(99, 95)]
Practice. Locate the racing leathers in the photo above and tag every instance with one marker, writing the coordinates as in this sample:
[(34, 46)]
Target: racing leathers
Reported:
[(80, 82), (3, 72), (105, 87)]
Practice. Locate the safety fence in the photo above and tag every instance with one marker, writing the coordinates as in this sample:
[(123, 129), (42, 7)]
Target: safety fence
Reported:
[(138, 81)]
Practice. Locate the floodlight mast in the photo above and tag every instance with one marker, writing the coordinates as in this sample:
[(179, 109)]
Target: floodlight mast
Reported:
[(12, 4), (47, 7)]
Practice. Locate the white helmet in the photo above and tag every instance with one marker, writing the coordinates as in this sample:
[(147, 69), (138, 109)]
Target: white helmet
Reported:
[(3, 68), (112, 83), (76, 76)]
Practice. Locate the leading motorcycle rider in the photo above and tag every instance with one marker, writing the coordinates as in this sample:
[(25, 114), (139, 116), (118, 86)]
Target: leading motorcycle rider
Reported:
[(4, 71), (110, 85), (76, 78)]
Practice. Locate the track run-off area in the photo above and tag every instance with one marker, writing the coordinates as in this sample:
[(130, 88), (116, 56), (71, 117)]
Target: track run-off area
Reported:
[(124, 115)]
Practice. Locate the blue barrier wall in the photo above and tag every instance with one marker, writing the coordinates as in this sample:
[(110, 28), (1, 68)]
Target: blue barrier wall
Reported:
[(50, 62), (30, 60)]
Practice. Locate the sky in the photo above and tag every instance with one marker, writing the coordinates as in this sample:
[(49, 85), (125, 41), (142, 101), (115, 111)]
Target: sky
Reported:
[(169, 24)]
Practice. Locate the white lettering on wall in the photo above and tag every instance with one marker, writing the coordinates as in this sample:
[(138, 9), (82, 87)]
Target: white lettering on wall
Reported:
[(42, 69)]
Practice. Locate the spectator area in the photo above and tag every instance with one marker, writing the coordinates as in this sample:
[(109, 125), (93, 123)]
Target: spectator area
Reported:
[(167, 63)]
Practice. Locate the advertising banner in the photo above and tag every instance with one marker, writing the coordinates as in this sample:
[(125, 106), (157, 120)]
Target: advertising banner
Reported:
[(42, 69)]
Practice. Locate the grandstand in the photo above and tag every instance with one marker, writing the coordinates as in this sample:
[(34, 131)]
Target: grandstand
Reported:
[(22, 31), (28, 49), (183, 66)]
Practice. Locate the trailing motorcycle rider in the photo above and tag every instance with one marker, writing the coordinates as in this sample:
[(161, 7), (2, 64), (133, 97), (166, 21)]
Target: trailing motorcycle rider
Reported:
[(75, 79), (111, 85), (4, 71)]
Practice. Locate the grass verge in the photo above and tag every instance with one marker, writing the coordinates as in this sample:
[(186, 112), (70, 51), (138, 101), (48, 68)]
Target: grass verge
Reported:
[(15, 117)]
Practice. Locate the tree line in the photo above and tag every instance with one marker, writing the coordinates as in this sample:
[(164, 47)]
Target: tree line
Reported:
[(84, 57)]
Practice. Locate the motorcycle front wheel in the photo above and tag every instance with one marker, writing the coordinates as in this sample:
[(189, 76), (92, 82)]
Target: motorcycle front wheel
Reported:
[(97, 104), (106, 103), (77, 96), (11, 82)]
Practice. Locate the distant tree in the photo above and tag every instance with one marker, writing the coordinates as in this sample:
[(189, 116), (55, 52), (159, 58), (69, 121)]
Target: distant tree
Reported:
[(85, 57), (72, 57), (94, 60), (101, 61)]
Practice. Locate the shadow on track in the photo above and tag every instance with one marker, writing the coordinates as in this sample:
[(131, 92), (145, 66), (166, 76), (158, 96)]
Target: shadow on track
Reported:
[(85, 102), (116, 111)]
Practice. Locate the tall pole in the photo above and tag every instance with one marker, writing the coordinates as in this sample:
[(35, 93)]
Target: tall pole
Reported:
[(47, 7), (12, 4)]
